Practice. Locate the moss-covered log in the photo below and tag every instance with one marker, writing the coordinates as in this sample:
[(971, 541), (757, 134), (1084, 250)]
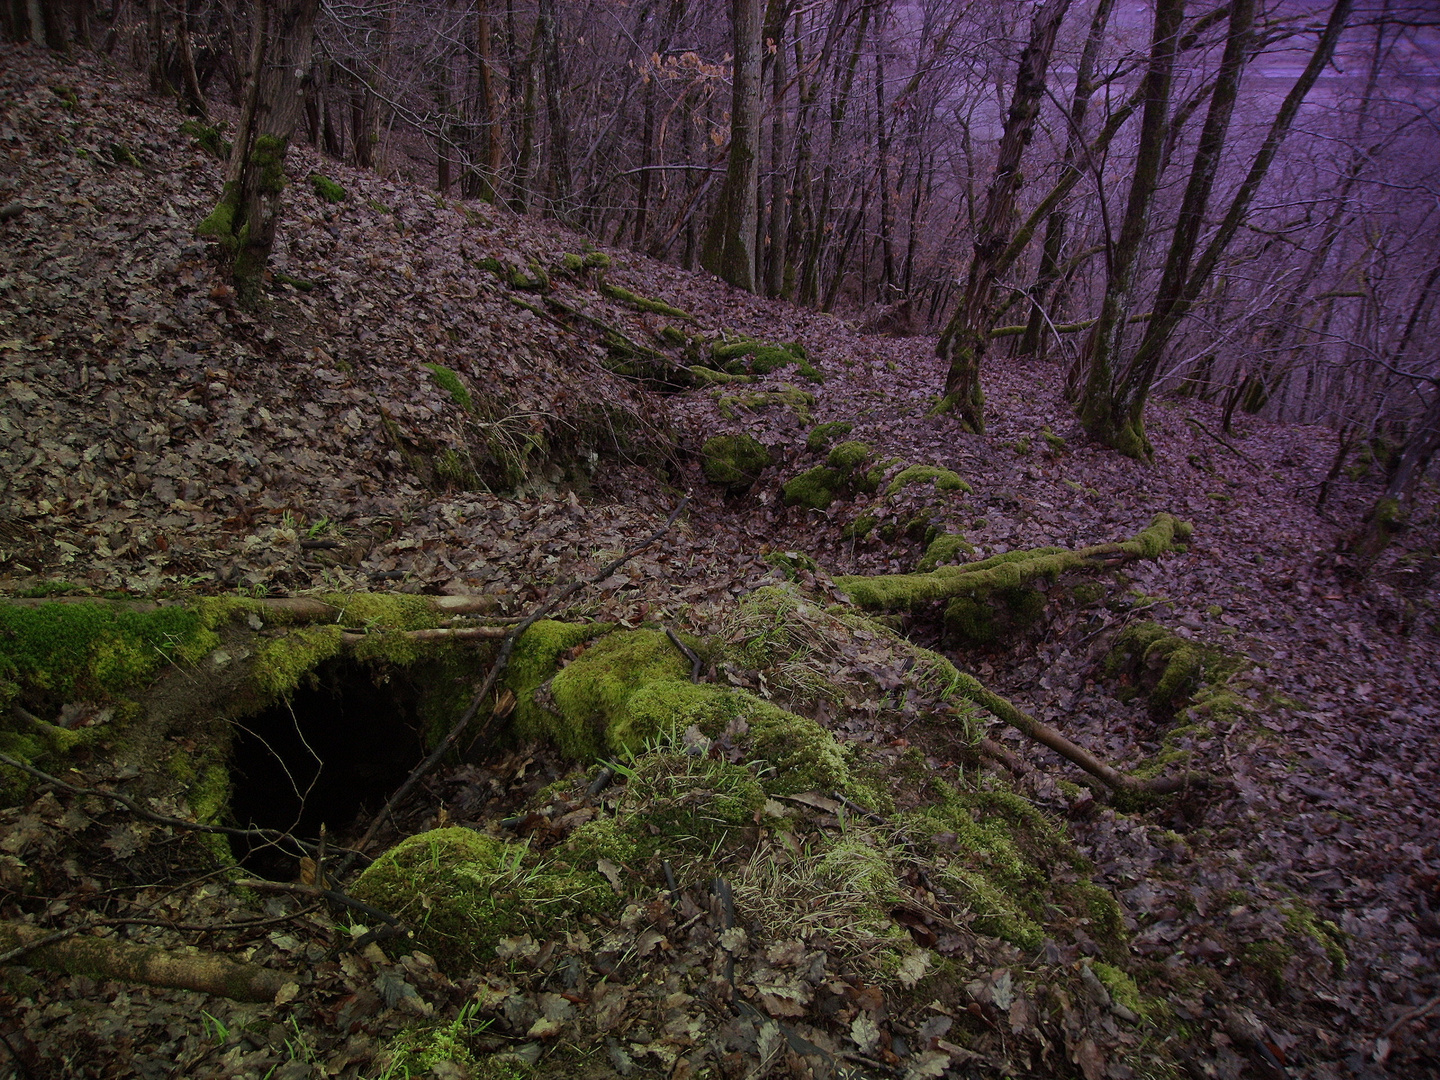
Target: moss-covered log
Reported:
[(1013, 569)]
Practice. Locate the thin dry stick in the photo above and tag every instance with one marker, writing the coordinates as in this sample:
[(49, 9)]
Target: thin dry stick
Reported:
[(503, 658), (270, 836), (1417, 1013), (695, 664)]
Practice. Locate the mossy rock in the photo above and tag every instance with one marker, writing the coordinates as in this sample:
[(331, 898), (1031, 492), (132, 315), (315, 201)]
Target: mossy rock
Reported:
[(849, 456), (943, 550), (734, 461), (943, 479), (461, 892), (814, 489)]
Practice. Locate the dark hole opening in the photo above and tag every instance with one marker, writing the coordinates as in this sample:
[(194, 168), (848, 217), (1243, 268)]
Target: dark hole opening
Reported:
[(333, 752)]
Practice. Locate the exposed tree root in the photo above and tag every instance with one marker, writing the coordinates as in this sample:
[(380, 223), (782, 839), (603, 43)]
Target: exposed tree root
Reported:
[(107, 958)]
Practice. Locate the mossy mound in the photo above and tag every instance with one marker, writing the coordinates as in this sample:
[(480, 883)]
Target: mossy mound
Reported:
[(750, 357), (734, 461), (632, 689), (1170, 670), (943, 550), (842, 473), (814, 489), (327, 190), (998, 856), (796, 644), (943, 479), (461, 892), (798, 401)]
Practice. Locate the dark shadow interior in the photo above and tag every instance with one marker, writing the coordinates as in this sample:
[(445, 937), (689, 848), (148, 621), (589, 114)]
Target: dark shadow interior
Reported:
[(337, 748)]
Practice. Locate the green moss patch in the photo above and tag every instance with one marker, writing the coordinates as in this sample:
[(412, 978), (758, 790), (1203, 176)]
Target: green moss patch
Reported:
[(451, 383), (327, 190), (822, 435), (53, 653), (208, 138)]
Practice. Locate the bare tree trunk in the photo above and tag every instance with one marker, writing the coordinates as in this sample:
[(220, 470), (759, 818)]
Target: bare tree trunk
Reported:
[(1035, 339), (1102, 348), (521, 191), (882, 147), (159, 84), (365, 101), (332, 135), (650, 152), (1120, 421), (962, 346), (839, 101), (487, 174), (1391, 513), (729, 248), (776, 19), (194, 96), (248, 214), (558, 138)]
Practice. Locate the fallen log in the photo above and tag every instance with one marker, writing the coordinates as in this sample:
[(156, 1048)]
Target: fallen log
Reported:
[(898, 592), (975, 692), (150, 965)]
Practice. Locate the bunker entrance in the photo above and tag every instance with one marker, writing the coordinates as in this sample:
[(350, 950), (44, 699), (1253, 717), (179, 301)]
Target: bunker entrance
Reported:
[(336, 749)]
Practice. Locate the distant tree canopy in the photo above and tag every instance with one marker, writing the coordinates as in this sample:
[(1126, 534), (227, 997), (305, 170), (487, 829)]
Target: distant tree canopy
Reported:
[(1203, 197)]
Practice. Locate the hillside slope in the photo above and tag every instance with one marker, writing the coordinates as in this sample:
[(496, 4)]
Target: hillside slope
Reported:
[(158, 441)]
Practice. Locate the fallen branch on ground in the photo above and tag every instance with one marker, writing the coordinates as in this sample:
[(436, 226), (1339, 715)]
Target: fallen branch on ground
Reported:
[(150, 965), (974, 691)]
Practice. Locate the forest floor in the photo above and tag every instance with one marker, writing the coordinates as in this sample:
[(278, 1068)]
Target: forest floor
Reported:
[(157, 441)]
